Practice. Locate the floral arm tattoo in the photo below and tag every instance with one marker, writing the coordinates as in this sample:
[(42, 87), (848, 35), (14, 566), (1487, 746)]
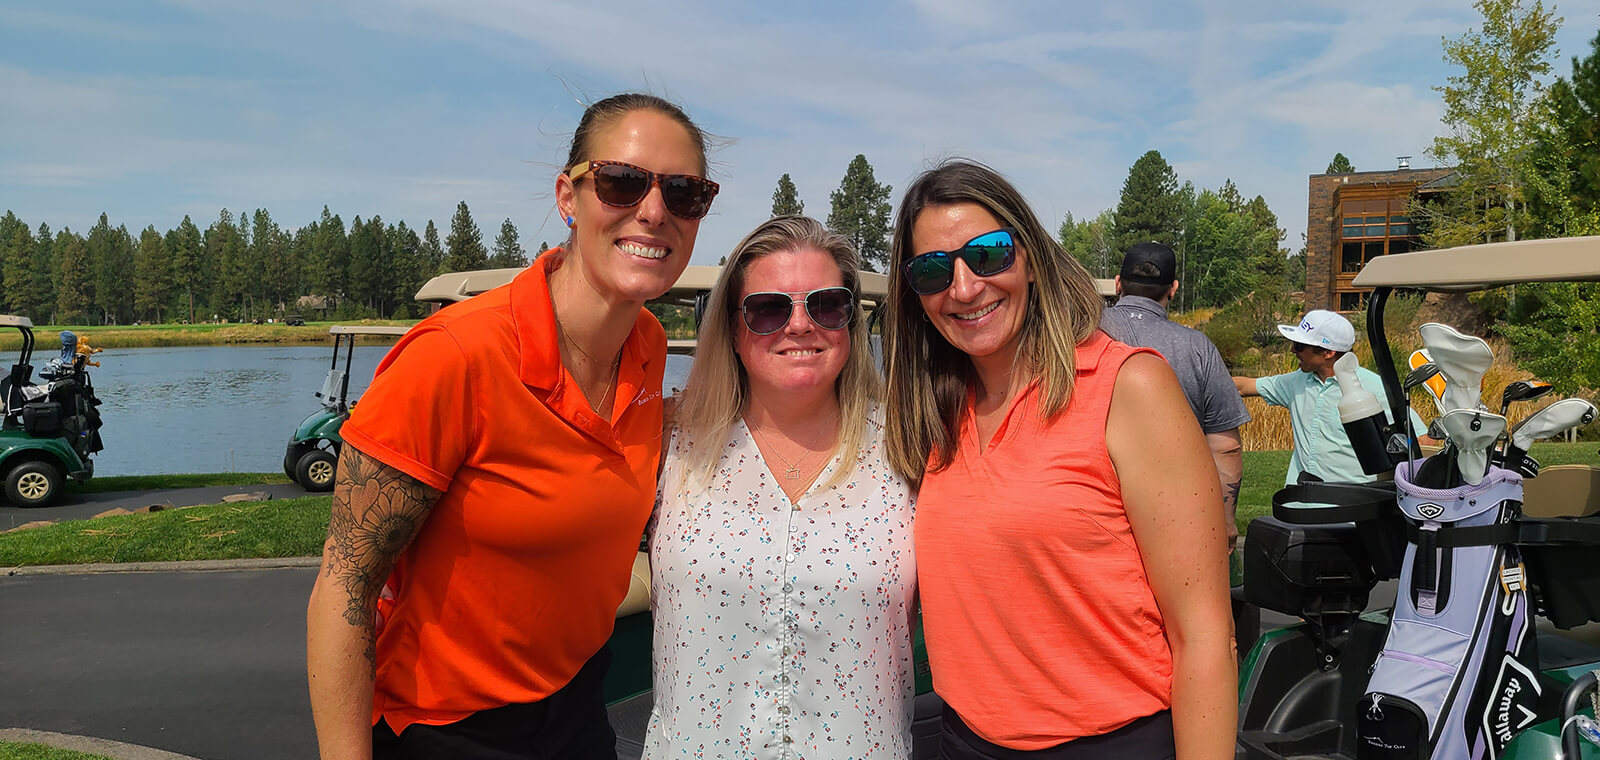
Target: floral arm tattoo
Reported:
[(377, 510)]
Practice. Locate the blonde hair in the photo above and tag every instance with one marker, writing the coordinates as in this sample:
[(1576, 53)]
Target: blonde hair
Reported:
[(718, 387), (927, 376)]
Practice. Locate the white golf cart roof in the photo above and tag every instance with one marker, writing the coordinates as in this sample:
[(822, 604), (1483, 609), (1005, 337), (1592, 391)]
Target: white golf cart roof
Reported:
[(395, 330), (1476, 267), (459, 286), (6, 320)]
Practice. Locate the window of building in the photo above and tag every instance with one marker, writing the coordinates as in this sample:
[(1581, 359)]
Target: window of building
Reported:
[(1399, 246), (1352, 301), (1350, 260)]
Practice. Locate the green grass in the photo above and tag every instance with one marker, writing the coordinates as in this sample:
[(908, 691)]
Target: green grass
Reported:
[(1264, 471), (21, 751), (162, 482), (277, 528), (296, 527)]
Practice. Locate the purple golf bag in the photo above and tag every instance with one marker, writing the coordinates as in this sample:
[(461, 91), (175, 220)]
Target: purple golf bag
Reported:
[(1458, 674)]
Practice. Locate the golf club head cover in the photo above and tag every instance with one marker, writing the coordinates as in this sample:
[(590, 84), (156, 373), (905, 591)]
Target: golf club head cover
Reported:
[(1552, 420), (1463, 359), (1473, 432)]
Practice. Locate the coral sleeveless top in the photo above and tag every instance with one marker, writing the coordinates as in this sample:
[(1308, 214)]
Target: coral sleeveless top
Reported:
[(1040, 623)]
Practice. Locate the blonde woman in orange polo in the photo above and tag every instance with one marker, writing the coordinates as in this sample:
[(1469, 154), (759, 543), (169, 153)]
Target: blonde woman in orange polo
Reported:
[(1071, 553), (499, 473)]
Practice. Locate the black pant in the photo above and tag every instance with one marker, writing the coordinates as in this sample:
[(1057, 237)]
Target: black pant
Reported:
[(570, 723), (1148, 738)]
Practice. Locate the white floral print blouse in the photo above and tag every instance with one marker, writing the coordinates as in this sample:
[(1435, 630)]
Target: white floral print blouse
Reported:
[(782, 630)]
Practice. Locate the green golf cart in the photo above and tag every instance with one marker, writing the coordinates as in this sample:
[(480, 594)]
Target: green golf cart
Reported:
[(312, 456), (50, 424)]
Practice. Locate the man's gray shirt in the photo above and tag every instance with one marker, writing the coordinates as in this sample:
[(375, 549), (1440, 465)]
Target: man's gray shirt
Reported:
[(1139, 321)]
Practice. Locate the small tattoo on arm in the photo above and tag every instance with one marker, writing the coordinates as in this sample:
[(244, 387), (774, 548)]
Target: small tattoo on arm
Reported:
[(1230, 494), (377, 510)]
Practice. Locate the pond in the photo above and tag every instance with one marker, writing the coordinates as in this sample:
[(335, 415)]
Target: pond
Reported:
[(220, 408)]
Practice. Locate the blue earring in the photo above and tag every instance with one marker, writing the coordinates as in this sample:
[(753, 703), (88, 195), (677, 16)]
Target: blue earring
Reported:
[(569, 221)]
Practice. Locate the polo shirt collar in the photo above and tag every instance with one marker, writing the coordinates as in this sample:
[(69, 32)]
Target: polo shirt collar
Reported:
[(533, 318), (1143, 304)]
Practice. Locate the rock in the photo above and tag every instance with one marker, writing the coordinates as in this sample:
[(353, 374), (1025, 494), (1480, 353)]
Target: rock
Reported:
[(112, 512), (255, 496)]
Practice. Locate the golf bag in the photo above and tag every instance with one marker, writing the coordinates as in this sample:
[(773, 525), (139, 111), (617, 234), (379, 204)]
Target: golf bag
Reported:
[(1458, 673)]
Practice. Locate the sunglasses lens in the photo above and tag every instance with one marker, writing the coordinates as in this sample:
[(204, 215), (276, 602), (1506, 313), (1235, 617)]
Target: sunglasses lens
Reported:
[(930, 273), (831, 309), (989, 254), (688, 197), (767, 313), (620, 185)]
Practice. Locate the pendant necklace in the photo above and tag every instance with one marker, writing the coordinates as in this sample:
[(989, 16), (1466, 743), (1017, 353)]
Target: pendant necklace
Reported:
[(790, 471)]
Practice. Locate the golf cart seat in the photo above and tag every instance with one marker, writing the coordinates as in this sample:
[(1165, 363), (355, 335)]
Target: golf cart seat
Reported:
[(1563, 490)]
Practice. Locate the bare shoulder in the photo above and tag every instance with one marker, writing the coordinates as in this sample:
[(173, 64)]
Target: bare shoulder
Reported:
[(1143, 372)]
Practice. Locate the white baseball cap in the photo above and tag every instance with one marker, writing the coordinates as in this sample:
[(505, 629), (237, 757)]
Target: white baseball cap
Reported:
[(1323, 329)]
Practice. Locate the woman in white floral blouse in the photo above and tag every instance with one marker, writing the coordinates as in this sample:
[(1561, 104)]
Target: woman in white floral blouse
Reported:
[(781, 562)]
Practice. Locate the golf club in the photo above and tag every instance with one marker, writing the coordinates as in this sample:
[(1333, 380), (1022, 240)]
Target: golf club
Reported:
[(1419, 375), (1463, 359), (1522, 390)]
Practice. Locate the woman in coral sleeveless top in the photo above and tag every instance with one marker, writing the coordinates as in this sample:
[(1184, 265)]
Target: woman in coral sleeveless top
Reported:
[(1071, 551)]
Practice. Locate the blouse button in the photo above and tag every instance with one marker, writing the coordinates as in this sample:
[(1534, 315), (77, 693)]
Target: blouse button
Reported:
[(785, 651), (784, 709), (788, 587), (787, 740), (789, 558), (783, 678)]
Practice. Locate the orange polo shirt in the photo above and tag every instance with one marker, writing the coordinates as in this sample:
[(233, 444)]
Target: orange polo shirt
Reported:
[(514, 581), (1040, 622)]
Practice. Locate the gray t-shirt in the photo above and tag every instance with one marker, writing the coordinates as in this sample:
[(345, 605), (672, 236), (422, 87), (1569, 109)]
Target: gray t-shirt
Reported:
[(1139, 321)]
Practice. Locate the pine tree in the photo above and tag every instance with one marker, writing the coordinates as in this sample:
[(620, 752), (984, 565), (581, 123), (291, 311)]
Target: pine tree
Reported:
[(786, 199), (41, 282), (464, 249), (326, 274), (151, 278), (16, 256), (362, 281), (861, 213), (186, 248), (1149, 207), (73, 275), (1340, 165), (508, 250), (432, 252), (409, 270)]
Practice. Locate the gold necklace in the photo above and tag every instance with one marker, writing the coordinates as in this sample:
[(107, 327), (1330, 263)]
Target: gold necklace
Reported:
[(790, 471), (611, 384)]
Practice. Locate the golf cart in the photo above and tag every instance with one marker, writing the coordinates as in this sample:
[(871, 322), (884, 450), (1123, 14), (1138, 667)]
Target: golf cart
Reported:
[(313, 452), (1483, 654), (49, 429)]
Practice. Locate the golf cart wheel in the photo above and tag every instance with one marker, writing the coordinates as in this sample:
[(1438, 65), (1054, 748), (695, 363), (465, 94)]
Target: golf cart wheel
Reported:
[(291, 459), (33, 484), (316, 470)]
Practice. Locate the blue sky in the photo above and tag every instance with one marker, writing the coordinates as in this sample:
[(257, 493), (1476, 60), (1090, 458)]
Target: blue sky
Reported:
[(149, 111)]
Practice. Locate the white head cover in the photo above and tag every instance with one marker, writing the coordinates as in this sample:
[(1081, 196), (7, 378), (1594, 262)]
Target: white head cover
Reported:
[(1556, 418), (1463, 359), (1473, 432)]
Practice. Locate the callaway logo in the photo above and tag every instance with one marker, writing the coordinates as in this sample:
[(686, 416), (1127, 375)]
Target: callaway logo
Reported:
[(1430, 511)]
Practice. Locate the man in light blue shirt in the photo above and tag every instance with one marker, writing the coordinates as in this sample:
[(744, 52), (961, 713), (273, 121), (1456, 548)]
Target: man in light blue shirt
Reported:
[(1312, 395)]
